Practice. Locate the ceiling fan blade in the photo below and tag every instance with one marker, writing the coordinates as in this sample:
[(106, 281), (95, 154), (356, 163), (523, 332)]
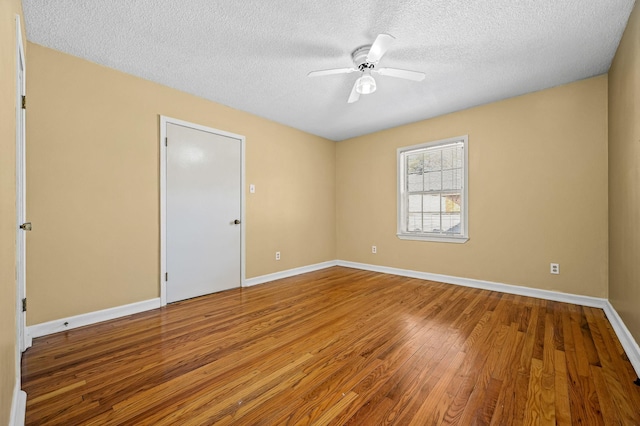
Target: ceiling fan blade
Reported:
[(379, 47), (354, 96), (394, 72), (331, 72)]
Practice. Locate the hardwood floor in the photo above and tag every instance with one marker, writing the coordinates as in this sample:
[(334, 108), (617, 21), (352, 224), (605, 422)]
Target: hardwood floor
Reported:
[(338, 346)]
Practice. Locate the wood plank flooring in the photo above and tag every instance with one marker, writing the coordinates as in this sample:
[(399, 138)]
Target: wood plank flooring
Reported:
[(334, 347)]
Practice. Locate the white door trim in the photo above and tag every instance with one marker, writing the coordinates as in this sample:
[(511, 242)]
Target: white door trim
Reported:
[(18, 403), (164, 121), (21, 185)]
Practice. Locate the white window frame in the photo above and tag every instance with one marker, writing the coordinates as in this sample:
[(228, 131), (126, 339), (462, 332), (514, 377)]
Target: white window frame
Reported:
[(403, 198)]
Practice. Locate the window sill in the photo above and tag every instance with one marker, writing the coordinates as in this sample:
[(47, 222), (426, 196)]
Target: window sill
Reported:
[(433, 238)]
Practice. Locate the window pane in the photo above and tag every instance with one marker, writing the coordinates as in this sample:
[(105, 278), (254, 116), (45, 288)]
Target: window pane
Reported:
[(415, 182), (458, 160), (452, 157), (433, 181), (448, 158), (415, 203), (451, 203), (431, 222), (452, 179), (415, 222), (431, 203), (415, 165), (432, 161), (451, 223)]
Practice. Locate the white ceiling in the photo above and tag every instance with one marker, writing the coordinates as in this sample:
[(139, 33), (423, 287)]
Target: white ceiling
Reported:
[(254, 55)]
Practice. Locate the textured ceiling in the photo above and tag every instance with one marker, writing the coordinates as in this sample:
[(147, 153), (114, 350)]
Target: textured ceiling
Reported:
[(254, 55)]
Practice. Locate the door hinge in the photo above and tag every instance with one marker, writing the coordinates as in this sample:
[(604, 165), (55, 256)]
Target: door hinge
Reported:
[(24, 102), (24, 305), (166, 141), (166, 276)]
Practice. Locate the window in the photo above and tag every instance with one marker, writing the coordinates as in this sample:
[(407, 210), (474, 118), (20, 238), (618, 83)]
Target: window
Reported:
[(432, 191)]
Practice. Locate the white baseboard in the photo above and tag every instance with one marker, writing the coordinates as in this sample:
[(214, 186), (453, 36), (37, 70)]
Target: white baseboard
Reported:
[(288, 273), (594, 302), (69, 323), (18, 407), (627, 341), (624, 335)]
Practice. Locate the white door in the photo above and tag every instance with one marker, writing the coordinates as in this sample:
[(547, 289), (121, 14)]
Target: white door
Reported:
[(21, 226), (203, 212)]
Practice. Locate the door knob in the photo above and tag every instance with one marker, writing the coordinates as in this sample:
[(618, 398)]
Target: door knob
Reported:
[(237, 222), (26, 226)]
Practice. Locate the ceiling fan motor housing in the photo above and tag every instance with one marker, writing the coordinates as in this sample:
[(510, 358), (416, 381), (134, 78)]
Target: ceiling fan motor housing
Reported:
[(359, 57)]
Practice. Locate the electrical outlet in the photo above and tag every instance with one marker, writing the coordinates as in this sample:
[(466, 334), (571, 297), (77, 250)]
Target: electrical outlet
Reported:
[(374, 249), (555, 268), (277, 255)]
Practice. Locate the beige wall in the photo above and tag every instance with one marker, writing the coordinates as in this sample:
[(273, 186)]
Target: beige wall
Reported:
[(538, 188), (537, 192), (624, 177), (8, 10), (93, 186)]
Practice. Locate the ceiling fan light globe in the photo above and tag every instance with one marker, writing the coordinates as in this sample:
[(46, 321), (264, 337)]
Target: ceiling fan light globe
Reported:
[(366, 85)]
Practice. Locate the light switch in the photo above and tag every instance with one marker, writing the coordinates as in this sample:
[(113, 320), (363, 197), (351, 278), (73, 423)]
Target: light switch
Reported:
[(252, 188)]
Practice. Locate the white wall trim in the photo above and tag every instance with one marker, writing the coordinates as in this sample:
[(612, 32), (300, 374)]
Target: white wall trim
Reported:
[(627, 341), (624, 335), (21, 185), (163, 209), (629, 344), (18, 407), (594, 302), (89, 318), (288, 273), (22, 341)]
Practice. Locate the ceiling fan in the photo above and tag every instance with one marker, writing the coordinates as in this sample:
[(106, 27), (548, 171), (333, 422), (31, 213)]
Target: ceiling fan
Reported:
[(365, 59)]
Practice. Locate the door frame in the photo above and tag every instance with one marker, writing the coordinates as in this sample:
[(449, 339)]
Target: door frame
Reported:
[(24, 341), (164, 121)]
